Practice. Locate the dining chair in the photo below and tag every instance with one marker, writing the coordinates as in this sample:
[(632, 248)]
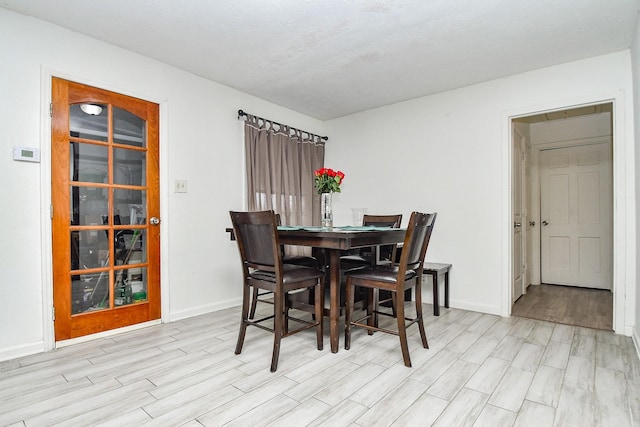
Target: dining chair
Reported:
[(396, 279), (386, 254), (365, 256), (307, 261), (262, 268)]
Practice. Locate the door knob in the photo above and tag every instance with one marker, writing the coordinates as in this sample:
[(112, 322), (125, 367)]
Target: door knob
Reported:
[(532, 223), (517, 224), (154, 220), (545, 223)]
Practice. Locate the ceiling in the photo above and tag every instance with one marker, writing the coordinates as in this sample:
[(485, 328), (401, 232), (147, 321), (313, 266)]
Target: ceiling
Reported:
[(330, 58)]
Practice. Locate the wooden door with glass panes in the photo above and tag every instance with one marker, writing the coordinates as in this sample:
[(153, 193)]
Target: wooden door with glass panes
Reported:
[(105, 210)]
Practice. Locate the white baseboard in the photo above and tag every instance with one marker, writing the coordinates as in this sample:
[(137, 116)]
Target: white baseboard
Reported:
[(635, 336), (21, 351), (480, 308), (427, 298), (35, 348), (204, 309)]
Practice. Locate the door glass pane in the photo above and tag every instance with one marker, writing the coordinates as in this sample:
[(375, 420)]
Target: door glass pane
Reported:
[(129, 167), (130, 286), (130, 205), (130, 247), (88, 121), (89, 292), (89, 205), (89, 249), (88, 162), (128, 128)]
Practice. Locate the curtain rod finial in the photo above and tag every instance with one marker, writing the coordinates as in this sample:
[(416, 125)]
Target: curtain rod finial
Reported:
[(241, 113)]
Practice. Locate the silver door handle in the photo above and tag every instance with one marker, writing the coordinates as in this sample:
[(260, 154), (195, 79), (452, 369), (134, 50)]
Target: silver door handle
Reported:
[(154, 220), (545, 223), (517, 224)]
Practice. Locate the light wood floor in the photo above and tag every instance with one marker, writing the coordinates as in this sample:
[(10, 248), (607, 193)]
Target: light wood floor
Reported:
[(481, 370), (591, 308)]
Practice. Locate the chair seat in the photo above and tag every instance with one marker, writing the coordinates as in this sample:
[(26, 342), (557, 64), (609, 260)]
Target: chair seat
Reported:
[(381, 274), (290, 274), (348, 262), (307, 261), (355, 259)]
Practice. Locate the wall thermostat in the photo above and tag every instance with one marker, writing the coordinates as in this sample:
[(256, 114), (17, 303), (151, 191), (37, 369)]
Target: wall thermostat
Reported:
[(26, 154)]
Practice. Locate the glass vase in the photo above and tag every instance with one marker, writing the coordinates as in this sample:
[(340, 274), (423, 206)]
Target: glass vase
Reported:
[(326, 213)]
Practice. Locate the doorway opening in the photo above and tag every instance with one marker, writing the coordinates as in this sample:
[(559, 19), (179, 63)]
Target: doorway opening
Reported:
[(562, 249)]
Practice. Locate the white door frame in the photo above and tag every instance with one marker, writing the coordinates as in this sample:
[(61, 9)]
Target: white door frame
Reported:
[(48, 333), (524, 209), (623, 212)]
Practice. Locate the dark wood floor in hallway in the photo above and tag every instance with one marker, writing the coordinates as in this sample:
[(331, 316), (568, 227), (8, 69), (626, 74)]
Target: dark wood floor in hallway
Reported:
[(590, 308)]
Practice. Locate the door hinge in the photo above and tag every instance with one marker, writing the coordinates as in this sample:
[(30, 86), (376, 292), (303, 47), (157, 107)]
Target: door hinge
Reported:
[(53, 312), (51, 211), (51, 109)]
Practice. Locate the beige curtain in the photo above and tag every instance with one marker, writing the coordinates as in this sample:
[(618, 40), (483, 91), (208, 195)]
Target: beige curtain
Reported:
[(280, 162)]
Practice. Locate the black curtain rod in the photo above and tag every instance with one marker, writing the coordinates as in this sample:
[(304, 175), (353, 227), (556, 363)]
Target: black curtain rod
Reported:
[(242, 114)]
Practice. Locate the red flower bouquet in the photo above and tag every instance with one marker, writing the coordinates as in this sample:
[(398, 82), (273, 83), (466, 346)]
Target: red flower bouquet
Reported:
[(328, 180)]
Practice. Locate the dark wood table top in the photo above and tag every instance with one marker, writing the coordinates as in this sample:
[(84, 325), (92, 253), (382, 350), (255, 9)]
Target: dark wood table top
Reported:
[(341, 238)]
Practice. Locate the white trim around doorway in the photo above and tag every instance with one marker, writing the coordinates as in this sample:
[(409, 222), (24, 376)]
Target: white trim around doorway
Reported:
[(624, 251)]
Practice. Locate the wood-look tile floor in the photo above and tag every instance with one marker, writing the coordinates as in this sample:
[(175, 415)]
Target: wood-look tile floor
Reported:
[(591, 308), (481, 370)]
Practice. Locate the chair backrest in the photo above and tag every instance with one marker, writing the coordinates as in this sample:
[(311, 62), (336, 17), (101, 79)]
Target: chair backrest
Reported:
[(416, 241), (386, 252), (257, 237), (392, 221)]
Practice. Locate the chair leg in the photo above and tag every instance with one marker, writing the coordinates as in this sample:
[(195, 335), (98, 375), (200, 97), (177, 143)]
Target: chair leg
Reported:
[(278, 327), (285, 317), (402, 330), (254, 303), (372, 308), (348, 308), (418, 297), (243, 320), (319, 299), (393, 304)]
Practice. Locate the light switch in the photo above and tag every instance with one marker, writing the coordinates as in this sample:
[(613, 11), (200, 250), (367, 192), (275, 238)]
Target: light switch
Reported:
[(180, 186)]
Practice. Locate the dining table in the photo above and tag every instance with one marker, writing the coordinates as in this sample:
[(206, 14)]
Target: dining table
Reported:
[(335, 240)]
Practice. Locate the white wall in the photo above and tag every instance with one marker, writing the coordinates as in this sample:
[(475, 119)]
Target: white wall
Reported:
[(450, 153), (201, 141)]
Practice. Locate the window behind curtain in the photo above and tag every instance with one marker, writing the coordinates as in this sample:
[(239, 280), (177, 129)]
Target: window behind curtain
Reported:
[(280, 164)]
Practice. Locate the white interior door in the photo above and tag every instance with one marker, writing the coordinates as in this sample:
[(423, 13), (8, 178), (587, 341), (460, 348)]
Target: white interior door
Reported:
[(519, 253), (575, 213)]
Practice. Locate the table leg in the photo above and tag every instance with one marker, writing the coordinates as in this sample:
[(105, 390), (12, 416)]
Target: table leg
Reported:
[(436, 298), (446, 289), (334, 306)]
